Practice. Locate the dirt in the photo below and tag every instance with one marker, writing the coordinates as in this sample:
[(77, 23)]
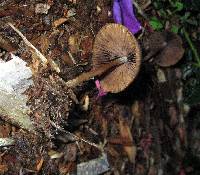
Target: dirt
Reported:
[(143, 130)]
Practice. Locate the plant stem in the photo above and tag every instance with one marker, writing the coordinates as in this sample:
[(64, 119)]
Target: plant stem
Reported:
[(194, 50)]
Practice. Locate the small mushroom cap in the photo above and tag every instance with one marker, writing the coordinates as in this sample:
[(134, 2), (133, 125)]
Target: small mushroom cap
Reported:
[(114, 41), (171, 55), (169, 47)]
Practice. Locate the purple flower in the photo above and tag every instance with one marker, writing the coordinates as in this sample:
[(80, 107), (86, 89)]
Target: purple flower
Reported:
[(123, 14)]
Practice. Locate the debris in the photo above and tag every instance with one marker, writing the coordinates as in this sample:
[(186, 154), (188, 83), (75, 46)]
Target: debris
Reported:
[(6, 44), (98, 9), (39, 164), (161, 76), (54, 154), (86, 46), (6, 142), (42, 8), (71, 152), (140, 5), (85, 103), (3, 169), (94, 167), (73, 43), (143, 3), (14, 80), (59, 22), (33, 49), (15, 76), (76, 138), (36, 51), (71, 12), (125, 132), (71, 57)]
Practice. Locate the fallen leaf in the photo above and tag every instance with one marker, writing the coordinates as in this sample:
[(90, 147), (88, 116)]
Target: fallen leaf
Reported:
[(66, 168), (3, 169), (86, 47), (59, 22), (126, 133), (42, 8), (161, 76), (39, 165), (173, 116), (44, 43), (73, 43), (70, 153), (54, 154)]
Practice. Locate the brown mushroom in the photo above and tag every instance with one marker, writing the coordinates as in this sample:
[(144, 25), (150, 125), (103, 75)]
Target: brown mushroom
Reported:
[(172, 53), (116, 59), (166, 48)]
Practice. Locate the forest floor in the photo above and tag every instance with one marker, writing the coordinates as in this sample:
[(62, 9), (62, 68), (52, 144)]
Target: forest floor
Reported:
[(152, 127)]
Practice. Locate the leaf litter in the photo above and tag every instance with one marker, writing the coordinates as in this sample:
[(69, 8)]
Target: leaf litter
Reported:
[(141, 129)]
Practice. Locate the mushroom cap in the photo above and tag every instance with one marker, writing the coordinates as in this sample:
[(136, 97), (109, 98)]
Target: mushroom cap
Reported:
[(169, 47), (112, 42), (172, 52)]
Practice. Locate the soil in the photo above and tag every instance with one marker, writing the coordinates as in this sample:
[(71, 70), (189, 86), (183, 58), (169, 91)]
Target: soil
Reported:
[(146, 129)]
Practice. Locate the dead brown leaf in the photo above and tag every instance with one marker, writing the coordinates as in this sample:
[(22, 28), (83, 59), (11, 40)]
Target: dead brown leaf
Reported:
[(86, 47), (66, 58), (5, 130), (125, 132), (39, 164), (120, 140), (135, 108), (71, 152), (66, 168), (3, 169), (59, 22), (44, 43), (73, 43), (173, 116)]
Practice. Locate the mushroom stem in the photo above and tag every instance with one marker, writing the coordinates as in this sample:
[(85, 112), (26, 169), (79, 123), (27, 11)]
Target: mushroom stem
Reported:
[(95, 72)]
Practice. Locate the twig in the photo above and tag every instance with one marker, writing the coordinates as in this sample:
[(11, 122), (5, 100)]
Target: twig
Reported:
[(140, 11), (75, 136), (71, 57), (194, 50), (34, 50)]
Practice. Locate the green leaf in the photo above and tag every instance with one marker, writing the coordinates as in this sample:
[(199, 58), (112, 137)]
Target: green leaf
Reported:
[(174, 29), (179, 6), (185, 17), (156, 24)]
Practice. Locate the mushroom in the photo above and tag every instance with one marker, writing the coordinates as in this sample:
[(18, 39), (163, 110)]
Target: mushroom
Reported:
[(172, 52), (116, 59), (166, 48)]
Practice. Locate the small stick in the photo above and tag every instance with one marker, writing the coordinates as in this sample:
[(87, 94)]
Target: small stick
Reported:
[(34, 50), (71, 57), (140, 11), (75, 136)]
